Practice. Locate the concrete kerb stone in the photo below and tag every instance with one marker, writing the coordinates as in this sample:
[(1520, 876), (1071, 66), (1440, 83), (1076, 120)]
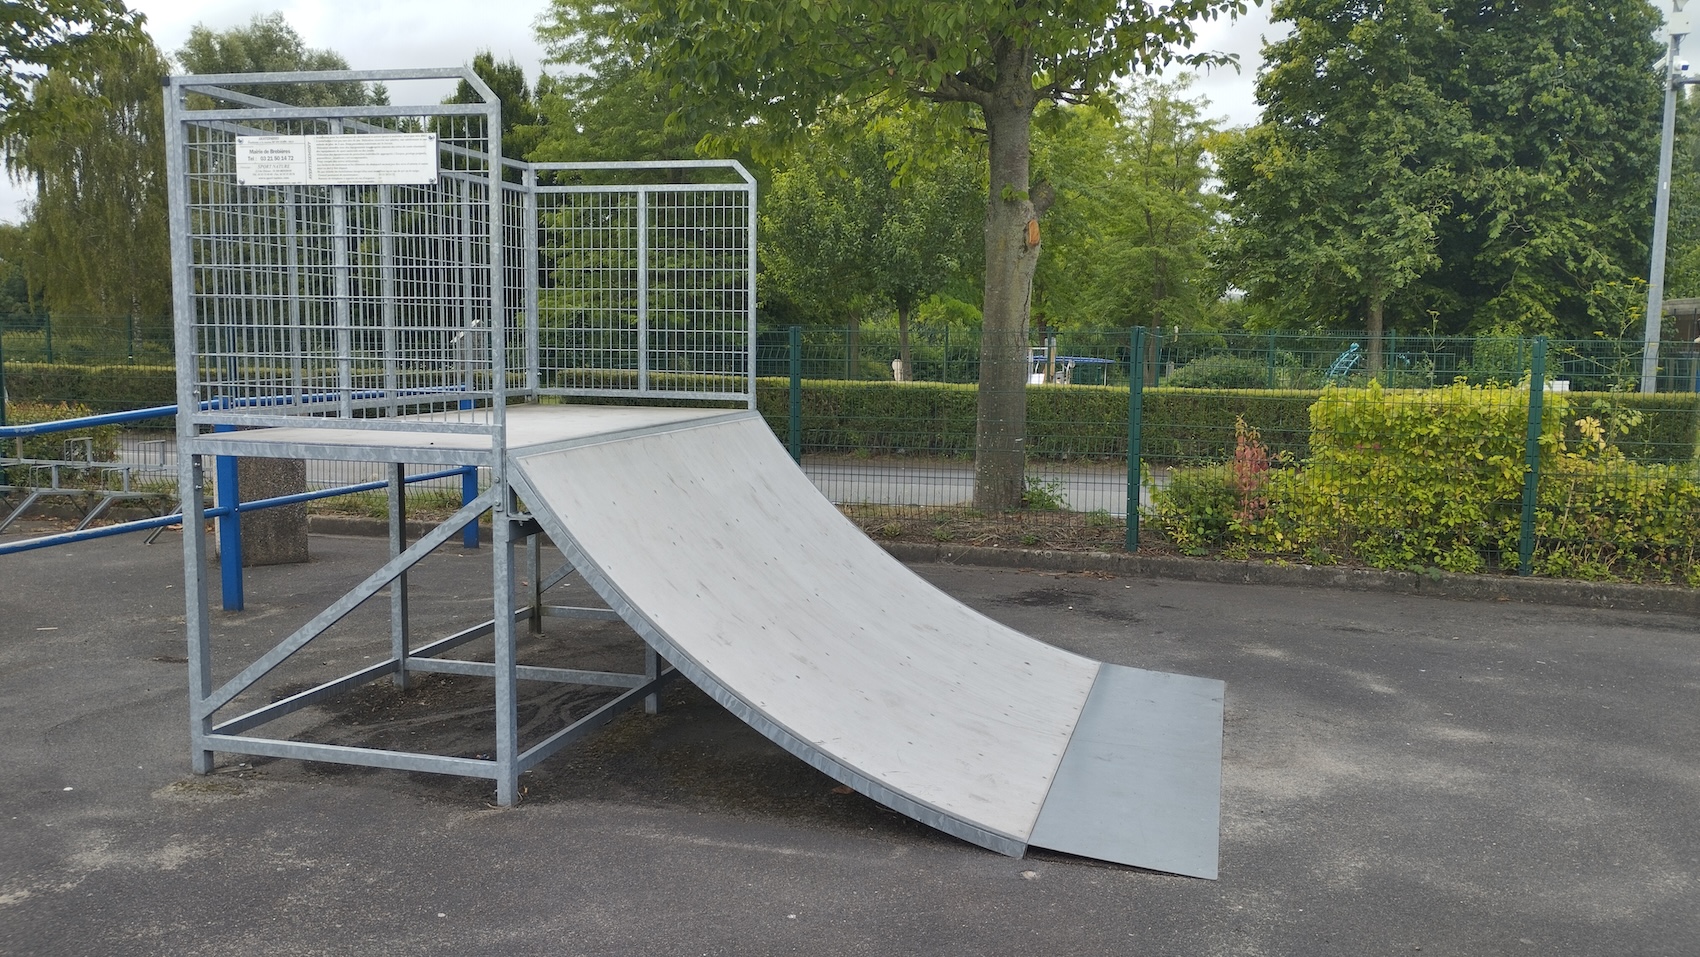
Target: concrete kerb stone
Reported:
[(1544, 591)]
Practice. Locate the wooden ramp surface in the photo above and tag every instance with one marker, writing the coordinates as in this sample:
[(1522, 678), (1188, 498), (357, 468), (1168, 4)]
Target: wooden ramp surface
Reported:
[(703, 534)]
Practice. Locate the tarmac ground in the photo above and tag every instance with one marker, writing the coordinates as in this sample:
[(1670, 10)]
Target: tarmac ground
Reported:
[(1402, 774)]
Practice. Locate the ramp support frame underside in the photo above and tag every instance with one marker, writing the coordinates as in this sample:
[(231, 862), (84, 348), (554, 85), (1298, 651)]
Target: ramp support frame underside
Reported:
[(217, 726)]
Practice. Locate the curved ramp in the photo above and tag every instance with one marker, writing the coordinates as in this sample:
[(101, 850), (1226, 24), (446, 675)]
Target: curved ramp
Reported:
[(709, 541)]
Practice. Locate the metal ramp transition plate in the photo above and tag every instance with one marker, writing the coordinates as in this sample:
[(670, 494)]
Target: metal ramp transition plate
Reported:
[(709, 541)]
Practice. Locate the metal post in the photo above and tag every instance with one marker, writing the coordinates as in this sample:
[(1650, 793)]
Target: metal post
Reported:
[(388, 314), (1532, 456), (534, 569), (1135, 427), (946, 376), (1271, 360), (507, 697), (643, 289), (47, 326), (468, 492), (528, 267), (796, 430), (3, 376), (229, 528), (398, 588), (1661, 219)]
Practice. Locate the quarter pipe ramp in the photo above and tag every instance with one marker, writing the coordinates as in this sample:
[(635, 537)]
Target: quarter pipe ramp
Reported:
[(704, 536)]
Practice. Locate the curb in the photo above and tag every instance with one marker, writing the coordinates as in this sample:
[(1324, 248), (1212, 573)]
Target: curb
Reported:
[(1540, 591), (1544, 591)]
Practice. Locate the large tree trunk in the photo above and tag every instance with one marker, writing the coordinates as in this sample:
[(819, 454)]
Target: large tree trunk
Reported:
[(1012, 253), (1372, 358)]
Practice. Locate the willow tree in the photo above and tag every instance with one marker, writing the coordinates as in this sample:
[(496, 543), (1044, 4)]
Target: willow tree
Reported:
[(784, 62), (97, 237), (62, 35)]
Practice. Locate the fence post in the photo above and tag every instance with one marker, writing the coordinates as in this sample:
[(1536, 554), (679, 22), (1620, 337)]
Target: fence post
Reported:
[(1135, 425), (796, 419), (1532, 455), (468, 492), (228, 498), (1271, 360), (3, 376), (946, 376), (47, 327)]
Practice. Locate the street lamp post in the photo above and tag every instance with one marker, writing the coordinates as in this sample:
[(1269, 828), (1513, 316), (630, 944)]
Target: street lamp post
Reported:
[(1678, 23)]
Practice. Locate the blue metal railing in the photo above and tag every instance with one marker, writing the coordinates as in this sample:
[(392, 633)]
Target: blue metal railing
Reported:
[(228, 504)]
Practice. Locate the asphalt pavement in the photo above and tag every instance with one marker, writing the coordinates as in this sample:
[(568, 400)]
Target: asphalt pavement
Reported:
[(1402, 774)]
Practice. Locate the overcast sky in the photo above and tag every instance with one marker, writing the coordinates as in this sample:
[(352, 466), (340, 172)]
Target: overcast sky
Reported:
[(391, 34)]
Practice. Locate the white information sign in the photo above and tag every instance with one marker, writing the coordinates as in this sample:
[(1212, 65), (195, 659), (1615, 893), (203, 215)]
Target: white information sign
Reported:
[(362, 159)]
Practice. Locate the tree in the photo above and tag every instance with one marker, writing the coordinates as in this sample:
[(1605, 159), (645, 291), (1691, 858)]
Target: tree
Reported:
[(606, 109), (16, 301), (1463, 166), (1126, 240), (63, 35), (268, 44), (97, 235), (845, 227), (785, 64), (1682, 262), (1556, 204), (522, 126)]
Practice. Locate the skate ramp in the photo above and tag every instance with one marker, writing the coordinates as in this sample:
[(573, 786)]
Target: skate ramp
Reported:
[(709, 541)]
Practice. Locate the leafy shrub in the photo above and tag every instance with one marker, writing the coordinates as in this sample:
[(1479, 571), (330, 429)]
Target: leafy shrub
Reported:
[(1601, 516), (1219, 372), (1195, 510), (1410, 479)]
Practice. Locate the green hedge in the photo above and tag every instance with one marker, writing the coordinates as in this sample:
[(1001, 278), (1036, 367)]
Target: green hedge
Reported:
[(1182, 426), (108, 388)]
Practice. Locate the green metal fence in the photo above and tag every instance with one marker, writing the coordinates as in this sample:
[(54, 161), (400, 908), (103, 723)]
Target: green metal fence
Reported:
[(1487, 454)]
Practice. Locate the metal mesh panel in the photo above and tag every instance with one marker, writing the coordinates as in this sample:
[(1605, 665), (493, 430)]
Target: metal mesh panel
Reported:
[(645, 290), (336, 302)]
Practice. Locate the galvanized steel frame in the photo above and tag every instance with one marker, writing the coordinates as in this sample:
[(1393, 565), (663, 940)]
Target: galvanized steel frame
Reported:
[(494, 239)]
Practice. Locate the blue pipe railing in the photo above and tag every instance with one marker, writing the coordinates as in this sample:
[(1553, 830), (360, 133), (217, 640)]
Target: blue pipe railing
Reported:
[(228, 504), (143, 524)]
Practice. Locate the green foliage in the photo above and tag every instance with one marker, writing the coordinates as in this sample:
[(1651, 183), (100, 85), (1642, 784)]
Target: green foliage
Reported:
[(1044, 495), (97, 237), (779, 67), (1403, 479), (844, 229), (41, 36), (1472, 166), (1219, 372), (268, 44), (523, 123), (115, 388), (1195, 510), (102, 440), (1602, 517), (1125, 239)]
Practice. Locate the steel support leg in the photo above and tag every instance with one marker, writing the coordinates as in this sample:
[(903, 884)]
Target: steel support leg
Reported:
[(534, 569), (191, 483), (507, 698), (398, 588)]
